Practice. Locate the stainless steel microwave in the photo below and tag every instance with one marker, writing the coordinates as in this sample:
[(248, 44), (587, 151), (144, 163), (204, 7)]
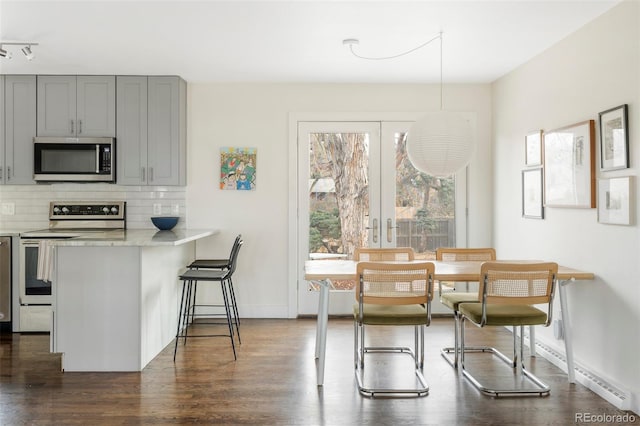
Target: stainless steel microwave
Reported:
[(74, 159)]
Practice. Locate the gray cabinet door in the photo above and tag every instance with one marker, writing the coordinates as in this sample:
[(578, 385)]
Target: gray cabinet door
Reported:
[(96, 106), (57, 105), (131, 138), (167, 131), (20, 128), (2, 167), (76, 106)]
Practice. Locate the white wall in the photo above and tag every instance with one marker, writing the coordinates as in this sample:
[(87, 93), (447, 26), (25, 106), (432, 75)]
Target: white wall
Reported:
[(592, 70), (256, 115)]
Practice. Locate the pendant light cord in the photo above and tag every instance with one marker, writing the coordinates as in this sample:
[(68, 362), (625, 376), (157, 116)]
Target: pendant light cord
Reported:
[(352, 41)]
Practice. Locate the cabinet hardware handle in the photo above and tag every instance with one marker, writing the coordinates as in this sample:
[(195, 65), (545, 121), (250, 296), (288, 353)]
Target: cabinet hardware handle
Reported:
[(375, 230), (144, 177), (72, 127), (150, 174), (79, 126), (8, 172)]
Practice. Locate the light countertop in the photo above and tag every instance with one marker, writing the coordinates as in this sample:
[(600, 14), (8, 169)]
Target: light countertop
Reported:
[(129, 237)]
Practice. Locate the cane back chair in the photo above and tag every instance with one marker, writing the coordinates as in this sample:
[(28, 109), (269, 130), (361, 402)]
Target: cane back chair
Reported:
[(453, 298), (392, 294), (506, 297)]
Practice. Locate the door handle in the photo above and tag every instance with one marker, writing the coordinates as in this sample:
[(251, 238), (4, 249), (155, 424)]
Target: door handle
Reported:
[(389, 230), (375, 230)]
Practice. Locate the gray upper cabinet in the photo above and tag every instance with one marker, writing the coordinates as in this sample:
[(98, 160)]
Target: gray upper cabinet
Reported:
[(151, 139), (131, 138), (20, 129), (76, 106)]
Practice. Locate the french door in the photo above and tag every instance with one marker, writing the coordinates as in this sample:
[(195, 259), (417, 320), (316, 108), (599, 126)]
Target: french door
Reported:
[(357, 188)]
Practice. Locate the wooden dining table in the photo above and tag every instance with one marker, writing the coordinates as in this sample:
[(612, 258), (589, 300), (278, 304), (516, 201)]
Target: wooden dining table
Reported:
[(324, 272)]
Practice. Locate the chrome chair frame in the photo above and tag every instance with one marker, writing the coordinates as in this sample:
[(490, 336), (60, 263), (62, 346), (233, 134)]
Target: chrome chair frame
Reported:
[(473, 253), (518, 364), (417, 353)]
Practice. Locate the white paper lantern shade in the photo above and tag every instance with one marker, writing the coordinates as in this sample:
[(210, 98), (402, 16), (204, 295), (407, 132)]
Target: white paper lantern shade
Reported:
[(440, 143)]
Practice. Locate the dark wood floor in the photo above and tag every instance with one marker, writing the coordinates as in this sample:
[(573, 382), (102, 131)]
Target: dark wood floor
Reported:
[(272, 382)]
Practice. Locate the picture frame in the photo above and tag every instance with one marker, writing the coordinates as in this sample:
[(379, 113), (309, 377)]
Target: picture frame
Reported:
[(532, 187), (614, 138), (569, 166), (533, 148), (238, 167), (614, 200)]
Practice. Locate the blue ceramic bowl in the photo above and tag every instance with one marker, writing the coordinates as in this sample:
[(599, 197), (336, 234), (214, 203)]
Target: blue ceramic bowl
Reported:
[(164, 223)]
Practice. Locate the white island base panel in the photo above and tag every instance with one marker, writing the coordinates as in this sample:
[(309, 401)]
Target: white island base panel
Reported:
[(116, 308)]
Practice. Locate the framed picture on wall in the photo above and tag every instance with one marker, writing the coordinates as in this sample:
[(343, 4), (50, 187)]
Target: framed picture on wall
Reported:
[(569, 166), (532, 206), (533, 148), (238, 168), (614, 139), (614, 206)]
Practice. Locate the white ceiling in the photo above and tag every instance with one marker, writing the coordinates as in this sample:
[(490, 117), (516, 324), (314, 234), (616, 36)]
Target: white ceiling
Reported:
[(288, 41)]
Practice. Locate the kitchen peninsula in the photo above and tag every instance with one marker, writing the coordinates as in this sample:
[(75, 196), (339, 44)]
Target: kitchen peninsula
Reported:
[(116, 298)]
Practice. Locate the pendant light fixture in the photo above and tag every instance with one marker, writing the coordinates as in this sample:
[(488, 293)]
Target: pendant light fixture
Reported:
[(440, 143)]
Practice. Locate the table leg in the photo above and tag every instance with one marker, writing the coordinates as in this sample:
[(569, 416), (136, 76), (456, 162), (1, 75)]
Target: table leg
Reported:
[(321, 328), (566, 332), (532, 340)]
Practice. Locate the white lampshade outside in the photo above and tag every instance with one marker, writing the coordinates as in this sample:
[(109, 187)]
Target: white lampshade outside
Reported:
[(440, 143)]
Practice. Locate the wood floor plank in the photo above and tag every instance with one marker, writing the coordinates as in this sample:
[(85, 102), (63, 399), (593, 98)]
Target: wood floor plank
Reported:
[(273, 382)]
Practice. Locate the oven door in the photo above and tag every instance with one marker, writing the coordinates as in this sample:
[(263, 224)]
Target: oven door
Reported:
[(32, 290)]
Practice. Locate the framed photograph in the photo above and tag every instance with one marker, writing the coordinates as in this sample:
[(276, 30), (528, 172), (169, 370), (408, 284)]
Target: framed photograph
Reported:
[(238, 169), (532, 193), (569, 166), (533, 149), (614, 206), (614, 139)]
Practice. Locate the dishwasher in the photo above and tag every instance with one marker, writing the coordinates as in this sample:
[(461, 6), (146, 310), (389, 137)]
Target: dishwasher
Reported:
[(5, 279)]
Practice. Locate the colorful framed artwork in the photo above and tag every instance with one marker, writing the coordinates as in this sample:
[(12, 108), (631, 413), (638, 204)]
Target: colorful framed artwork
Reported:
[(614, 139), (569, 166), (614, 206), (533, 148), (532, 206), (238, 169)]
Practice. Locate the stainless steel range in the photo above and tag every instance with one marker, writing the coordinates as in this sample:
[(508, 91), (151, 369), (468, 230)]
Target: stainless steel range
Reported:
[(94, 219)]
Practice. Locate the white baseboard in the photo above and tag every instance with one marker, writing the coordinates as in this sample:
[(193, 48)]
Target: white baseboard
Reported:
[(621, 399)]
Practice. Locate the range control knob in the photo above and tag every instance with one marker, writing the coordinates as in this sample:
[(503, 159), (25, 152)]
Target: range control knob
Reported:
[(114, 210), (105, 210), (65, 210), (56, 210)]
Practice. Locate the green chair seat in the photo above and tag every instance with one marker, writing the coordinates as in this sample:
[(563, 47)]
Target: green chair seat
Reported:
[(504, 314), (452, 299), (392, 314)]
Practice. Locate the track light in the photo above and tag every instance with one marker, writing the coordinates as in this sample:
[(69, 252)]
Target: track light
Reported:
[(26, 50), (28, 53)]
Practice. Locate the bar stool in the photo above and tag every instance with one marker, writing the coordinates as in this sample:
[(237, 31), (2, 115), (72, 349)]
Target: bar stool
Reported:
[(222, 264), (188, 314)]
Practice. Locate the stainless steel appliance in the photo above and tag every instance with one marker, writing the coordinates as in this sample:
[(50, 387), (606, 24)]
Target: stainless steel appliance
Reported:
[(74, 159), (5, 279), (66, 220)]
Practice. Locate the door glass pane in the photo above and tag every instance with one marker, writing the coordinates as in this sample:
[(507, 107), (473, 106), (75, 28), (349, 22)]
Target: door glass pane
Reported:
[(424, 206), (338, 193)]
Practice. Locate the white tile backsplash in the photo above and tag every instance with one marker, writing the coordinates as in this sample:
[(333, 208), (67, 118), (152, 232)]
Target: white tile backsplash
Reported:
[(32, 202)]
